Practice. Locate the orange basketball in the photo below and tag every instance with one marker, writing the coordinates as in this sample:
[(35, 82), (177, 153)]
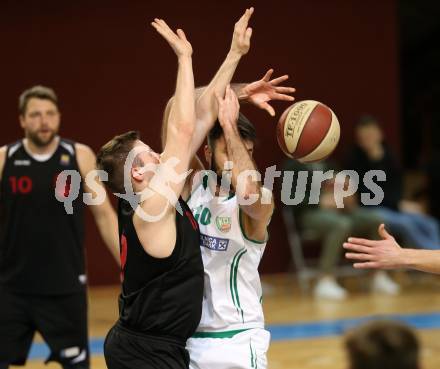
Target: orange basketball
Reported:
[(308, 131)]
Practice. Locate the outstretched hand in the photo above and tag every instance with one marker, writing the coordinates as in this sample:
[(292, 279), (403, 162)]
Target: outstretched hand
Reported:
[(241, 39), (264, 90), (370, 254), (177, 40), (228, 108)]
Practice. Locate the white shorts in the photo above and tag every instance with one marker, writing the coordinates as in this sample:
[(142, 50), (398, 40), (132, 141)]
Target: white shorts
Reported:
[(245, 350)]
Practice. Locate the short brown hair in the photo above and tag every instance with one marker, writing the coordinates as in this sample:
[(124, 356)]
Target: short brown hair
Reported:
[(112, 156), (382, 344), (38, 92)]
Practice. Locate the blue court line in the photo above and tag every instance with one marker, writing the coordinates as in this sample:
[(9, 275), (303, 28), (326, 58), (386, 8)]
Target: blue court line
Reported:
[(293, 331)]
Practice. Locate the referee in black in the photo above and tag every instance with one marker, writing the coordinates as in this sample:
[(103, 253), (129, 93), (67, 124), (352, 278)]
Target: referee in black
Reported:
[(42, 269)]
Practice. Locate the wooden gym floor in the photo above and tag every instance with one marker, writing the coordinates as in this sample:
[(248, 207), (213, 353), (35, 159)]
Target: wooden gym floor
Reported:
[(306, 333)]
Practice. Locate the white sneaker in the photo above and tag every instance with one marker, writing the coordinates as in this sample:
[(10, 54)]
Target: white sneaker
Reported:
[(328, 288), (382, 283)]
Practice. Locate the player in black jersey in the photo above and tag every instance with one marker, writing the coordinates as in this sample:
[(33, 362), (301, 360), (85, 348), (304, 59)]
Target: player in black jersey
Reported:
[(162, 272), (42, 271)]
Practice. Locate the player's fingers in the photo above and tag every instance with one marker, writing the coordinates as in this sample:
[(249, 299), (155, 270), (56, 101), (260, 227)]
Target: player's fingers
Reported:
[(367, 265), (358, 256), (248, 15), (156, 23), (285, 90), (362, 241), (267, 76), (240, 22), (356, 247), (160, 30), (248, 34), (165, 27), (279, 80), (268, 108), (283, 97), (244, 20), (383, 232), (166, 33), (163, 23), (181, 34)]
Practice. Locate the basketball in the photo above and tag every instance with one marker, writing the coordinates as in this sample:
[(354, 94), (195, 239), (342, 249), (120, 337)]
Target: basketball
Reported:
[(308, 131)]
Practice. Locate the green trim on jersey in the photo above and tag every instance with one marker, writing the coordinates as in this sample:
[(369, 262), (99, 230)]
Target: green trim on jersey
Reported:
[(231, 195), (235, 284), (191, 193), (244, 234), (224, 334), (205, 180), (254, 363), (233, 281)]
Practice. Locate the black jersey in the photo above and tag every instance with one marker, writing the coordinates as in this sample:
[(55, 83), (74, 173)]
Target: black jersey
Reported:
[(41, 246), (161, 296)]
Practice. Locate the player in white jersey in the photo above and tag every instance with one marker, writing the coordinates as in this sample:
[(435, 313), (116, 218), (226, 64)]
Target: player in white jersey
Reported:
[(231, 332)]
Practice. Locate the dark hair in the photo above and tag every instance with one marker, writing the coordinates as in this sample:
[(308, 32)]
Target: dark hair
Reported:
[(367, 120), (112, 156), (383, 344), (38, 92), (245, 127)]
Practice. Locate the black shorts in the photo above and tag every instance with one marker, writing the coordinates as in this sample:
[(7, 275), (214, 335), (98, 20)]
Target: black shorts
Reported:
[(124, 349), (61, 320)]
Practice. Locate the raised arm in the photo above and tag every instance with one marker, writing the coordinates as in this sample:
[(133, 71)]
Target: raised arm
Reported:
[(180, 127), (387, 254), (154, 218), (256, 213), (206, 106)]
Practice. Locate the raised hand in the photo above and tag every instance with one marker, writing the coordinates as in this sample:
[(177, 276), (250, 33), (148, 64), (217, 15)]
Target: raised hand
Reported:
[(264, 90), (228, 108), (241, 39), (370, 254), (177, 40)]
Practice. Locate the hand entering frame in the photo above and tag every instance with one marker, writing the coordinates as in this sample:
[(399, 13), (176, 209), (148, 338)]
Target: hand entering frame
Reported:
[(177, 40)]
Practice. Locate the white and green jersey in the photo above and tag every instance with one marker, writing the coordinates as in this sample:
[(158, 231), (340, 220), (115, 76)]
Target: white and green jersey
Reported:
[(232, 291)]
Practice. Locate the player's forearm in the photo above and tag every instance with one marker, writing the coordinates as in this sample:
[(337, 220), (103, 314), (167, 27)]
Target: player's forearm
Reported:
[(242, 161), (423, 260), (206, 105), (182, 114)]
